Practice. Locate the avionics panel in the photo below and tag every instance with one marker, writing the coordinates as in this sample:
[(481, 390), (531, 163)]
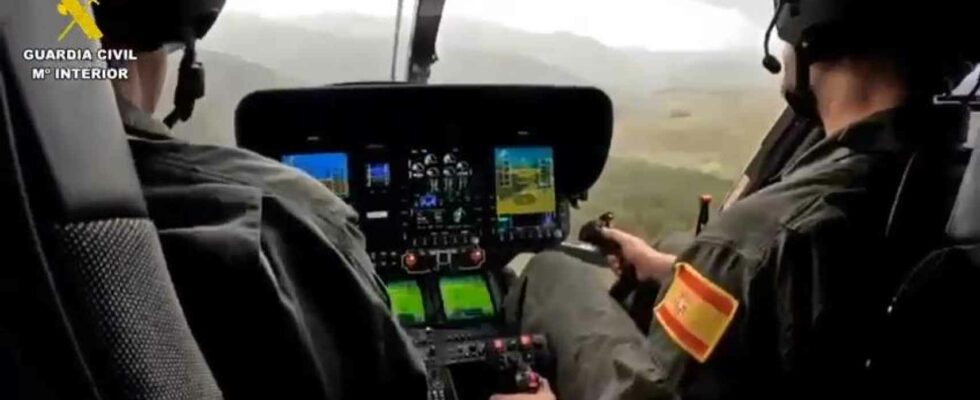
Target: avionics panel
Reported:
[(331, 169), (526, 201), (449, 182), (378, 175), (445, 179), (444, 206), (407, 302), (466, 298)]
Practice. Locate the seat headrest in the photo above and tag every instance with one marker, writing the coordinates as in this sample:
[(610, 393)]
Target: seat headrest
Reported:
[(964, 222), (69, 134)]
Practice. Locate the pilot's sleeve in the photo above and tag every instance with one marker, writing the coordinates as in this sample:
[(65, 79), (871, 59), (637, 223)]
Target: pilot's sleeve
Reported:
[(782, 320), (700, 324), (347, 317)]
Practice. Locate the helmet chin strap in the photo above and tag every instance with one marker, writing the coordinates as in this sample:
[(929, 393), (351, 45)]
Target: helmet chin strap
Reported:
[(190, 84)]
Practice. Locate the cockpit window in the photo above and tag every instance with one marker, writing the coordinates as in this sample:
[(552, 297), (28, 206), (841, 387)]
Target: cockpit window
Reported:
[(261, 44), (692, 101)]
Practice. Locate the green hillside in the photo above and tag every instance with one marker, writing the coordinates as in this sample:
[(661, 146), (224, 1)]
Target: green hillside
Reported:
[(649, 199)]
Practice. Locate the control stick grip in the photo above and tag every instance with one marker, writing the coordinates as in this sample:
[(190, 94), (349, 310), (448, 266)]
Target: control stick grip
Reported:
[(591, 233)]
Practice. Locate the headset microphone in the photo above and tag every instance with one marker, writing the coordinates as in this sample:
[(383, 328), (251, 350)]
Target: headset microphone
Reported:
[(770, 62)]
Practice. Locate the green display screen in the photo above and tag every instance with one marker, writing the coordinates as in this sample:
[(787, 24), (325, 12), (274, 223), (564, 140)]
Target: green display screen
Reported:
[(466, 298), (406, 302)]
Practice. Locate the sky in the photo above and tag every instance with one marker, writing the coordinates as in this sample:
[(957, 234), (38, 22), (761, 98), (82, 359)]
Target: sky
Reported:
[(657, 25)]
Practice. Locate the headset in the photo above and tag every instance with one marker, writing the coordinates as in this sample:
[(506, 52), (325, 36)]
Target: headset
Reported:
[(821, 30), (149, 25)]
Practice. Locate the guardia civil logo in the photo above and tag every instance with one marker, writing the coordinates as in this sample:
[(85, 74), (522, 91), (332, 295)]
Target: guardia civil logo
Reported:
[(81, 62), (80, 17)]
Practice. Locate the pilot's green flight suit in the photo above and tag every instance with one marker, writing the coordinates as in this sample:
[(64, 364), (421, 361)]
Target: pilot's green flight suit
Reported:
[(272, 273), (806, 259)]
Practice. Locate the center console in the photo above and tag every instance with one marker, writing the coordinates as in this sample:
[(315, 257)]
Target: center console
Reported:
[(450, 182)]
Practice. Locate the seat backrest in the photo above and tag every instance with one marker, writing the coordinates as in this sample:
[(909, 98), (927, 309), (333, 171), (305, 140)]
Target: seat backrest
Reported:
[(87, 307), (934, 318)]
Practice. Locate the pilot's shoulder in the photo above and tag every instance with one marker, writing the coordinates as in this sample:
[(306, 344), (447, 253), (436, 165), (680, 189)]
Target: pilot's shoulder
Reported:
[(175, 162), (800, 203), (853, 190)]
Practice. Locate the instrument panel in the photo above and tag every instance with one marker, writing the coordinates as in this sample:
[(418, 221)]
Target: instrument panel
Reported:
[(450, 211), (450, 183)]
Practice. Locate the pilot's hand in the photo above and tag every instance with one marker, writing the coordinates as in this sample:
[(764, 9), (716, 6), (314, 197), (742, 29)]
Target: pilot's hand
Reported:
[(544, 393), (650, 264)]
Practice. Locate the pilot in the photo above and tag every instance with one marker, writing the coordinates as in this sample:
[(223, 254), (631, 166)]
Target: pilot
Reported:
[(776, 298), (269, 265)]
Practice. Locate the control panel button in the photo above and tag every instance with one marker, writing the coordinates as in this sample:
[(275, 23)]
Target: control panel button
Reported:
[(499, 345), (474, 257), (410, 261)]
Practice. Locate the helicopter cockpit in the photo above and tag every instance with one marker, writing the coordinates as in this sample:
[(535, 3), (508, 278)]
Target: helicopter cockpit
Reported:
[(450, 183), (450, 186)]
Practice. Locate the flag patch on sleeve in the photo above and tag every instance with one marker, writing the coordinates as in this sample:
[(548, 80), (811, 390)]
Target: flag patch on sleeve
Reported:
[(695, 312)]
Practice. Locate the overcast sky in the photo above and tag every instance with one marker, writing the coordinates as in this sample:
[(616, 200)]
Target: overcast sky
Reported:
[(652, 24)]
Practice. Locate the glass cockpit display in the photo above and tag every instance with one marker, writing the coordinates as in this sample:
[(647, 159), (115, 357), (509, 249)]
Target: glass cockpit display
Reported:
[(426, 210), (378, 175), (525, 188), (466, 298), (443, 205), (331, 169), (406, 302)]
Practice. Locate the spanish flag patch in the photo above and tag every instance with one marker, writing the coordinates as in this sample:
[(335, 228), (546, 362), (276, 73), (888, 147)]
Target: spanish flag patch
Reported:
[(695, 312)]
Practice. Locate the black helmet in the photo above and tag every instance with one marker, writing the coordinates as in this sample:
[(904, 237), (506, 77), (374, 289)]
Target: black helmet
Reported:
[(935, 39), (146, 25)]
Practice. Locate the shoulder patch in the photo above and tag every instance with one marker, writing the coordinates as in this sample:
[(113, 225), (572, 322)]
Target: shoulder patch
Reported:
[(695, 312)]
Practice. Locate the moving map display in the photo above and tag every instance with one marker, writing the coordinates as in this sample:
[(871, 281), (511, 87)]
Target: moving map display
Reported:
[(328, 168), (525, 180)]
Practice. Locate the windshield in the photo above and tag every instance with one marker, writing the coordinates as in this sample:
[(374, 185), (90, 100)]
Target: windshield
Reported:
[(692, 101)]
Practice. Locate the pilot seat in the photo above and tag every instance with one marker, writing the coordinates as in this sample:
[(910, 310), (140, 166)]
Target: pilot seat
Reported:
[(929, 346), (88, 308)]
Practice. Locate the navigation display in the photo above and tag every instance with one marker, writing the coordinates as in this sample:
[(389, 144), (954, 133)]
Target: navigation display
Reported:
[(466, 298), (525, 180), (328, 168), (406, 302)]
